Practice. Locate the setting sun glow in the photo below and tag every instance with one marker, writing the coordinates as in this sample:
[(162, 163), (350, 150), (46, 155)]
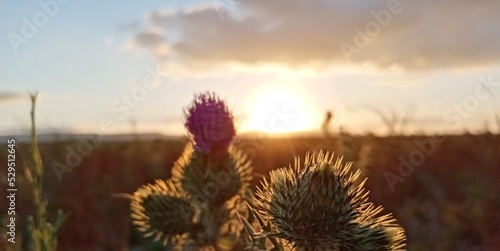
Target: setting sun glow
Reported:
[(279, 109)]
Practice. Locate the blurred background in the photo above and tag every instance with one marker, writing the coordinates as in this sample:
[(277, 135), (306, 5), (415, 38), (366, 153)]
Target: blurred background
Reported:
[(407, 90)]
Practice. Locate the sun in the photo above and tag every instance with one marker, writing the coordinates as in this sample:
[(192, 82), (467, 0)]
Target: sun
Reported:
[(279, 109)]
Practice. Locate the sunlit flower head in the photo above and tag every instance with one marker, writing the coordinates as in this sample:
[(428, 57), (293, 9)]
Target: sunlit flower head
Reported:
[(210, 123), (319, 205)]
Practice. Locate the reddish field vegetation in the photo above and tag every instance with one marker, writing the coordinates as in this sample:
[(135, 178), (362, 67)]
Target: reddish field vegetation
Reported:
[(444, 191)]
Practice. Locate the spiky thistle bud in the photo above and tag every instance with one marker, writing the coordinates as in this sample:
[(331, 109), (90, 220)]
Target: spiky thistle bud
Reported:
[(159, 210), (212, 180), (210, 123), (320, 206)]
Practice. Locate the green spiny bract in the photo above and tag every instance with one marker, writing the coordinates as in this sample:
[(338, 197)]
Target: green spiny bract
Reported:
[(159, 210), (319, 206), (217, 185), (212, 179)]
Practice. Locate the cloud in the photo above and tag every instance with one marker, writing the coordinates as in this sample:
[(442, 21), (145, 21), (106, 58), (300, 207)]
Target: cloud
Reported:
[(150, 40), (404, 35), (128, 26), (6, 97)]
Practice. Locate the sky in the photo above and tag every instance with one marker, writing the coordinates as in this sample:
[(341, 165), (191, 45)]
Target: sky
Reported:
[(111, 66)]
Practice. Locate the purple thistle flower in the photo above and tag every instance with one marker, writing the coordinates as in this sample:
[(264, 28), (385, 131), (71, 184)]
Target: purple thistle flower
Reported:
[(211, 123)]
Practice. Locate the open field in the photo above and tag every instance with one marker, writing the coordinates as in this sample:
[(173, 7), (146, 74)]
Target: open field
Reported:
[(445, 191)]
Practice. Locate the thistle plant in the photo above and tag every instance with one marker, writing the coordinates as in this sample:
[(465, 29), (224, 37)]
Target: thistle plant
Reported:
[(198, 208), (313, 206), (320, 205)]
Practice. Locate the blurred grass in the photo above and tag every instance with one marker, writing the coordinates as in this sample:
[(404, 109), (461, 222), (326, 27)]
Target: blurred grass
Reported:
[(450, 202)]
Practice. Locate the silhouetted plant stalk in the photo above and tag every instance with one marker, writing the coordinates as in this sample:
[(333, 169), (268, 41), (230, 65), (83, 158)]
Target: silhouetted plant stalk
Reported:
[(42, 234)]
